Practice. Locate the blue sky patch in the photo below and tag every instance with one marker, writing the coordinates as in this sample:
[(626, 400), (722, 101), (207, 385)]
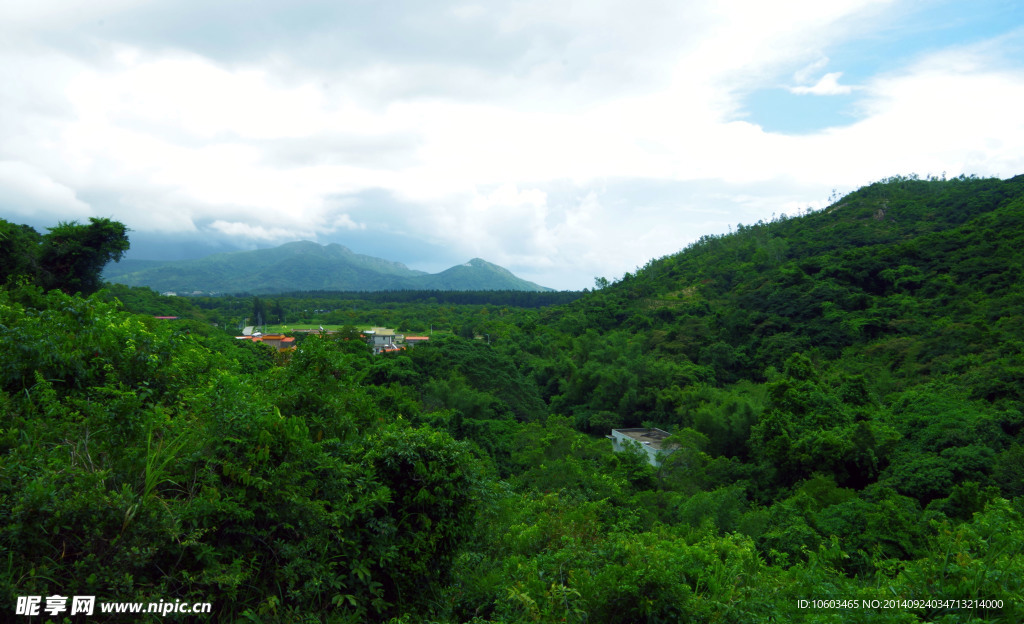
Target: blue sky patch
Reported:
[(778, 110), (912, 32)]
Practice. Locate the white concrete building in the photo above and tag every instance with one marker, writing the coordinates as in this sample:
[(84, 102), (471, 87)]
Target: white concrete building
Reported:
[(649, 439)]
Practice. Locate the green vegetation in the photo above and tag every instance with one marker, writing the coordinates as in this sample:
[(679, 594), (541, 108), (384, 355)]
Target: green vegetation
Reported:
[(845, 391), (69, 257)]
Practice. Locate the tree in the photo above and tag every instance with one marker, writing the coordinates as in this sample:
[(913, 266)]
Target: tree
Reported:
[(18, 246), (72, 256), (259, 311)]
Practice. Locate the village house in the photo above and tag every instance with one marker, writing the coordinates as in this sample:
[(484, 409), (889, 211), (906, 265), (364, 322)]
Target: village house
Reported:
[(381, 339), (277, 341)]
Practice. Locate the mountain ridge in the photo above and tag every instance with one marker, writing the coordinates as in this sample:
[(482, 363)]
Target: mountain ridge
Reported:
[(307, 265)]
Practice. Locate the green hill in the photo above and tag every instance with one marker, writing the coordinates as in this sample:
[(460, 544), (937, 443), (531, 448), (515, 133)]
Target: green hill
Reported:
[(476, 274), (307, 266), (844, 394), (828, 280)]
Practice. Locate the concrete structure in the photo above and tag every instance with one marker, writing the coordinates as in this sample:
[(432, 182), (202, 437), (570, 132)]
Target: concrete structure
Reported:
[(649, 439), (381, 339)]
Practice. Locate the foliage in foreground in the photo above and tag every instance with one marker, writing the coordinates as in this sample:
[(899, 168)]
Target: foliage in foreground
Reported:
[(138, 460), (844, 390)]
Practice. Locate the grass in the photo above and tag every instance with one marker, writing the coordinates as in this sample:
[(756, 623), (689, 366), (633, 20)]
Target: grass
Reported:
[(284, 329)]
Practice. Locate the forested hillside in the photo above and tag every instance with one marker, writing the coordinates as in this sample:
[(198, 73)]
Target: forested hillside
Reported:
[(844, 390)]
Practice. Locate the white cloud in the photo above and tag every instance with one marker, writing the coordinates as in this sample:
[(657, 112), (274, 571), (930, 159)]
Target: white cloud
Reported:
[(493, 133), (43, 13), (187, 94), (345, 222), (806, 74), (260, 232), (827, 85), (28, 192)]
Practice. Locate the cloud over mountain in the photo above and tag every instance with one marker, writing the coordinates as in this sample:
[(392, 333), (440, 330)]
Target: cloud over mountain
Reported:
[(544, 134)]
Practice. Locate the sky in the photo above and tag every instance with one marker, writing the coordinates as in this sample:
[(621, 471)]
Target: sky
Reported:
[(562, 140)]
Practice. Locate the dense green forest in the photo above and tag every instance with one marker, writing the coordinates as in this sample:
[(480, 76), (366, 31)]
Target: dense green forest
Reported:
[(844, 390)]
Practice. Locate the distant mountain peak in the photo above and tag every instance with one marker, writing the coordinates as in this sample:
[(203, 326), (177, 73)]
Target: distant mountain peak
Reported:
[(305, 266)]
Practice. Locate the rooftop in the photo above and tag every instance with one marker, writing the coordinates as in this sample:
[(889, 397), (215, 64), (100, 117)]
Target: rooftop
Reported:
[(649, 436)]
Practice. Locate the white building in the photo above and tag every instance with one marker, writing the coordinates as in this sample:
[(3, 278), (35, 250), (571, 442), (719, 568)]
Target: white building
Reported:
[(649, 439), (380, 338)]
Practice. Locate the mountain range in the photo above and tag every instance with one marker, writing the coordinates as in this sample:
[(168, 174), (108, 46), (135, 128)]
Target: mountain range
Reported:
[(306, 266)]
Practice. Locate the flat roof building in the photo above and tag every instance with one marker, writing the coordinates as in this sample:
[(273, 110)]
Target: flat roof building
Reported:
[(650, 439)]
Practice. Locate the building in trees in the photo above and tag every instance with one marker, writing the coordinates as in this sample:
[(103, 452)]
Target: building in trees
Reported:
[(649, 439), (380, 338)]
